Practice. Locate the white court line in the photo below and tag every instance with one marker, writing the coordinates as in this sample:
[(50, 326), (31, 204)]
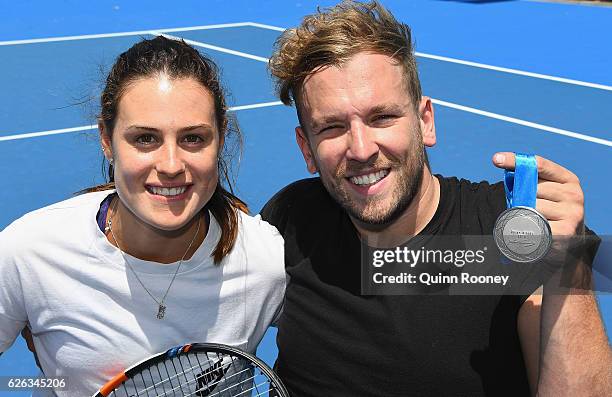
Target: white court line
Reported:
[(496, 116), (45, 133), (264, 26), (213, 47), (121, 34), (280, 29), (514, 71), (480, 65), (262, 59), (514, 120), (95, 126), (524, 123), (256, 106)]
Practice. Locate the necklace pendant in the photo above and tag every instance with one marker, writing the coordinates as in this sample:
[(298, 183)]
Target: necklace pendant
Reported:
[(161, 312)]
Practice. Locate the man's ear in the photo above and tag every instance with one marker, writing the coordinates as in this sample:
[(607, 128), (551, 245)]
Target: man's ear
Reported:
[(302, 141), (427, 122), (105, 141)]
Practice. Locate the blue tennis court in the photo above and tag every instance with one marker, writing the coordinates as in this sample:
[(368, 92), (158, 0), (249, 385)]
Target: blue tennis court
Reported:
[(521, 76)]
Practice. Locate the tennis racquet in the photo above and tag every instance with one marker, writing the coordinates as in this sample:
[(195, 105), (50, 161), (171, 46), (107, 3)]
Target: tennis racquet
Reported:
[(199, 370)]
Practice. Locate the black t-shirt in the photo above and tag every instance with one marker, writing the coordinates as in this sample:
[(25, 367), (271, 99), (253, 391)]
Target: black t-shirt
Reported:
[(335, 342)]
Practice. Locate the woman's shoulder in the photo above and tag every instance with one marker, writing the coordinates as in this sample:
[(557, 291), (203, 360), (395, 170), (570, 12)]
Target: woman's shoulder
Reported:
[(55, 219), (261, 240), (255, 226)]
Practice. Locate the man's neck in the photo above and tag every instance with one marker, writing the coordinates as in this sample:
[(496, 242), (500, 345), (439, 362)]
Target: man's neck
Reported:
[(411, 222)]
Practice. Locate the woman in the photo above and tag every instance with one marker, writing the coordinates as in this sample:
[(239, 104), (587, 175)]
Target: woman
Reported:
[(160, 256)]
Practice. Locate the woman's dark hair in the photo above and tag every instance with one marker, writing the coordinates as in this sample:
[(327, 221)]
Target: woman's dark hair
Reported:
[(179, 60)]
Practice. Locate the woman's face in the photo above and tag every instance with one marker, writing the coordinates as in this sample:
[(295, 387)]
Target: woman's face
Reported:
[(164, 148)]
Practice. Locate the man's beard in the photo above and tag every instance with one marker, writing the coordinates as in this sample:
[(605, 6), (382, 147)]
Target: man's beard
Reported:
[(408, 177)]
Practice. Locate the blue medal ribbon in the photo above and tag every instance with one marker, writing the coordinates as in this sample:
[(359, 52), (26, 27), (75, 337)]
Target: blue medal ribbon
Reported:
[(521, 185)]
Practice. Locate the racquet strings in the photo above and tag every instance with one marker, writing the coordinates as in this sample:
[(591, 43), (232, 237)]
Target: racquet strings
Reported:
[(198, 374)]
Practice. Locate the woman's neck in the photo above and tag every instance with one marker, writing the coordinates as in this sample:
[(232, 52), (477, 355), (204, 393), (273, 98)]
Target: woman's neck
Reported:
[(145, 242)]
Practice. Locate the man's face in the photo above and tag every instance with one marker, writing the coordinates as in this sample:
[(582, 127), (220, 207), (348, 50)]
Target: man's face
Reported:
[(361, 133)]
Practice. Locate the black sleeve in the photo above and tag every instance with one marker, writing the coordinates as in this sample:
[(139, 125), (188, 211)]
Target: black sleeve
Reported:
[(275, 211), (293, 204), (591, 245), (584, 254)]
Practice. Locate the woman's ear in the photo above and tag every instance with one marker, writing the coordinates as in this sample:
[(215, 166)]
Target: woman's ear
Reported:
[(105, 142)]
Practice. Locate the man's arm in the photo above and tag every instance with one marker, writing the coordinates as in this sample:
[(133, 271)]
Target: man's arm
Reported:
[(573, 335), (528, 325), (575, 356), (565, 346)]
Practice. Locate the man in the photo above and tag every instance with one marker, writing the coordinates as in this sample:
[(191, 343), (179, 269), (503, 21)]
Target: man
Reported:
[(364, 124)]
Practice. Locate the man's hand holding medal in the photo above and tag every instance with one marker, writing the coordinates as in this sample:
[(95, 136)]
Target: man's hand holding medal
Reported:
[(544, 221)]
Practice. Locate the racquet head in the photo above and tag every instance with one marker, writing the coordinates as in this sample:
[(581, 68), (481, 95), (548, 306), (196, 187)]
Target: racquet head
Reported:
[(199, 370)]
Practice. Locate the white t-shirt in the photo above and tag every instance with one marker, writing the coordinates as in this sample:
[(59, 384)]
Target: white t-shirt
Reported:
[(91, 318)]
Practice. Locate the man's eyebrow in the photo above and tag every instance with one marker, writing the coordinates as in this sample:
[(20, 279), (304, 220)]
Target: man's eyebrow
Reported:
[(387, 108), (335, 118), (329, 119)]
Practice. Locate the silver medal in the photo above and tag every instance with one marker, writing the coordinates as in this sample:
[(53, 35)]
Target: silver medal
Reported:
[(522, 234)]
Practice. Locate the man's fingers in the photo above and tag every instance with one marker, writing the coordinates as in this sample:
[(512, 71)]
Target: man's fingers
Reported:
[(551, 191), (560, 192), (504, 160), (552, 211), (551, 171), (564, 217), (547, 169), (565, 228)]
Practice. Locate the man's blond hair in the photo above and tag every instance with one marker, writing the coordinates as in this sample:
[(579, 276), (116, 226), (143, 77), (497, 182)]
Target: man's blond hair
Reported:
[(332, 36)]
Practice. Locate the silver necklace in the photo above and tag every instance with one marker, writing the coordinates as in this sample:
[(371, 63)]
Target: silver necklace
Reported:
[(161, 310)]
